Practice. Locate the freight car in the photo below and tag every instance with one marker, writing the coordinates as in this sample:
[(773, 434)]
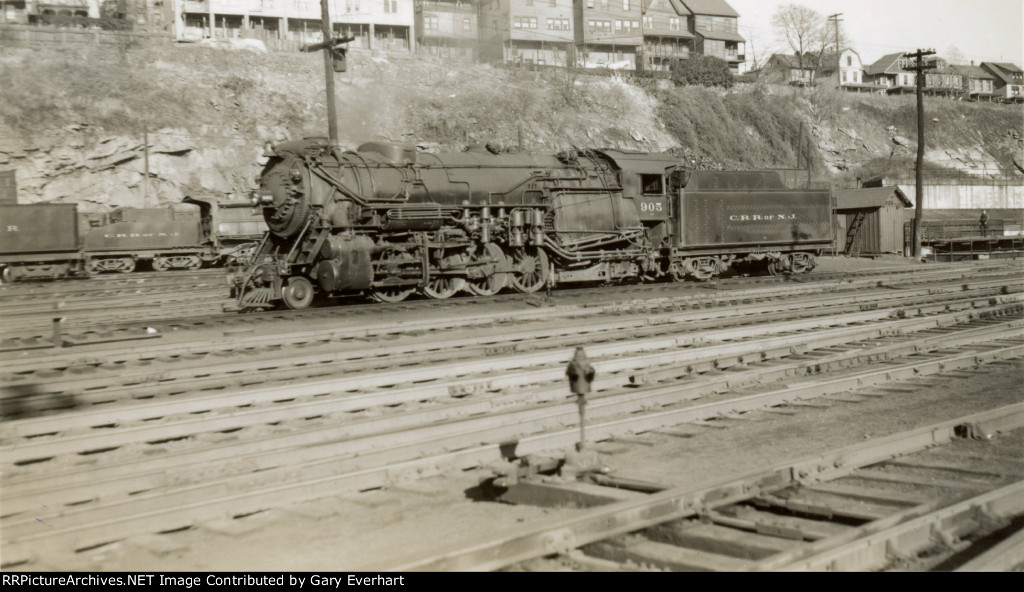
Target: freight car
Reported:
[(388, 221), (53, 241), (39, 240)]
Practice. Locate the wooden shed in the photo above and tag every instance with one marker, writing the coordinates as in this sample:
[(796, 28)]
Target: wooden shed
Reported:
[(869, 221)]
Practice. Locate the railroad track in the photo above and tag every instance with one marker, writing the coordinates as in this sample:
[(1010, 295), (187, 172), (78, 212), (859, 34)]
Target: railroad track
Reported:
[(39, 385), (172, 314), (878, 505), (19, 337), (263, 447)]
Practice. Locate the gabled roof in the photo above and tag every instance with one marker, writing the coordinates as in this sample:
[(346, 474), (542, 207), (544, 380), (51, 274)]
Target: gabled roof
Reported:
[(868, 197), (973, 71), (677, 5), (887, 64), (1004, 71), (711, 7), (1006, 66), (680, 8)]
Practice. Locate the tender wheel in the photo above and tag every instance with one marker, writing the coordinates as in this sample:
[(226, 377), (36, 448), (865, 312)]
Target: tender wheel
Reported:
[(161, 264), (391, 294), (531, 269), (297, 293), (492, 282), (126, 265), (194, 262)]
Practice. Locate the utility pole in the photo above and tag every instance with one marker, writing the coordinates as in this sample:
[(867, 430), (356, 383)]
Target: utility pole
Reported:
[(836, 20), (145, 165), (919, 67), (334, 61)]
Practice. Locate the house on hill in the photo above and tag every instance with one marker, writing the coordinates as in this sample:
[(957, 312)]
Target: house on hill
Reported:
[(790, 69), (526, 32), (715, 26), (667, 33), (942, 79), (846, 70), (607, 33), (891, 74), (978, 83), (1009, 81)]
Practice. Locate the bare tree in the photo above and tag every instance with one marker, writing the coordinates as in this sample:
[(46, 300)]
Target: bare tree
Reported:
[(756, 56), (800, 27), (955, 56)]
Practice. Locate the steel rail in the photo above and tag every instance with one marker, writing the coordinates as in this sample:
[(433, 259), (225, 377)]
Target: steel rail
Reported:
[(532, 541), (447, 385), (840, 285), (17, 370), (275, 451), (909, 538), (297, 481), (685, 300), (420, 352), (1006, 556), (225, 341)]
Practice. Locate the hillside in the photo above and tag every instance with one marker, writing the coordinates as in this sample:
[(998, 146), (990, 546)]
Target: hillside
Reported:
[(74, 120)]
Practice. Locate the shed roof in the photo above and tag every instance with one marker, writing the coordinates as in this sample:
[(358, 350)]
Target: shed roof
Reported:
[(721, 35), (868, 197), (786, 60), (712, 7)]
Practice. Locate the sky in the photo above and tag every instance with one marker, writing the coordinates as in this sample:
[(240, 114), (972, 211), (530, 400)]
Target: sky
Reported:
[(982, 30)]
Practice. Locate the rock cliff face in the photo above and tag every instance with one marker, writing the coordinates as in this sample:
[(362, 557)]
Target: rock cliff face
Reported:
[(72, 123), (102, 171)]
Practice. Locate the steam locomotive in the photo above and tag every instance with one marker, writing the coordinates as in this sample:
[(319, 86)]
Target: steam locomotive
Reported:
[(388, 221)]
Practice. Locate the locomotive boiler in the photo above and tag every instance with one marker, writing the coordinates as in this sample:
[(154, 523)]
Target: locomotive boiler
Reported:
[(389, 221)]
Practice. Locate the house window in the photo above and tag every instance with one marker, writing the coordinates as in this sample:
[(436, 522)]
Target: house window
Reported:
[(844, 76), (649, 22), (673, 23), (429, 23), (555, 24), (625, 5), (466, 24), (849, 60), (590, 3)]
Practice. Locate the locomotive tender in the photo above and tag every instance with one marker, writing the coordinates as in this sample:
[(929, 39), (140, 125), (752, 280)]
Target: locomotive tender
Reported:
[(388, 221)]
